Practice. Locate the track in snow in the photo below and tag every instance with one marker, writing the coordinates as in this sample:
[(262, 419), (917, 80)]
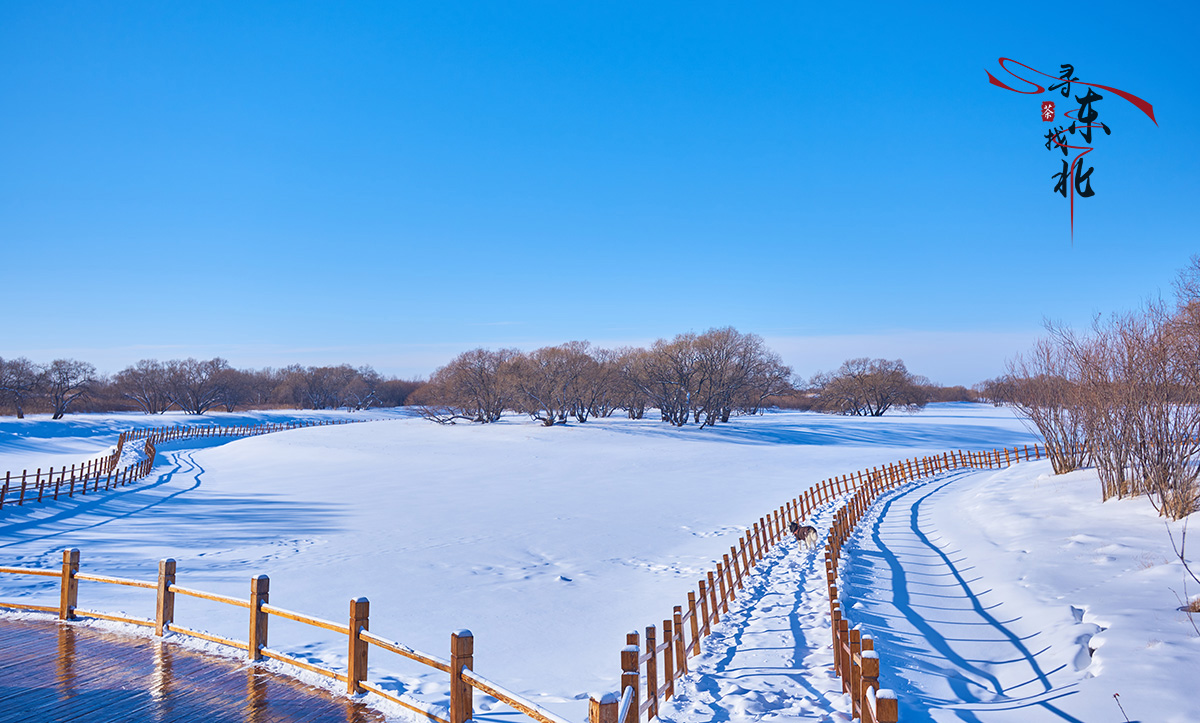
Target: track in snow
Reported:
[(770, 658)]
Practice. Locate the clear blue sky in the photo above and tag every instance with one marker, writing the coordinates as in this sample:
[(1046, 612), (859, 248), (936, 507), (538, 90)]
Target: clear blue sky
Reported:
[(391, 183)]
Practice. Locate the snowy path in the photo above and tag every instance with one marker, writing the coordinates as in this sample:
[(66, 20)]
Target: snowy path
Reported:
[(770, 659), (968, 653)]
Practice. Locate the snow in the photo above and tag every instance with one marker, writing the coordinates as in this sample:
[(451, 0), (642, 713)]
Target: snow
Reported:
[(551, 543), (1039, 600)]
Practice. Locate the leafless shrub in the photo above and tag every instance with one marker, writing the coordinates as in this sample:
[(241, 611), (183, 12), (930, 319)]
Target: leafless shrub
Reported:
[(1042, 386), (1125, 396)]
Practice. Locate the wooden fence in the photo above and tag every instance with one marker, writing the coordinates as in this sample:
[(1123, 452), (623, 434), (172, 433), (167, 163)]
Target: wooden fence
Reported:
[(104, 472), (649, 670), (647, 678), (359, 639)]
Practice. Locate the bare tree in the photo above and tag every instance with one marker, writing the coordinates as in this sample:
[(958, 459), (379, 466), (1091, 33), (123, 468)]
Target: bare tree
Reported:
[(325, 387), (476, 386), (235, 388), (194, 386), (20, 381), (669, 377), (869, 387), (66, 381), (629, 391), (600, 385), (146, 385), (360, 392), (549, 382)]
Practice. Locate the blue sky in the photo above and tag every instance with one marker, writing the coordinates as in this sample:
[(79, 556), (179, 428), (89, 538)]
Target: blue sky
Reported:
[(391, 183)]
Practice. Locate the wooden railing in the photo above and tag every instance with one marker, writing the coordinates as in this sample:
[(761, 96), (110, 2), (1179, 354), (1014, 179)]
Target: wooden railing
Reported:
[(463, 679), (651, 674), (104, 472)]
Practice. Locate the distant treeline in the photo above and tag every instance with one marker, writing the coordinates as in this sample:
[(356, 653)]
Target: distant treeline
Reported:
[(195, 387), (693, 378)]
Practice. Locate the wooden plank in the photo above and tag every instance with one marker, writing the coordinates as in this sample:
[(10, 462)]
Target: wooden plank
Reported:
[(307, 619), (285, 658), (399, 649), (31, 571), (81, 613), (209, 637), (116, 580), (180, 590), (511, 699)]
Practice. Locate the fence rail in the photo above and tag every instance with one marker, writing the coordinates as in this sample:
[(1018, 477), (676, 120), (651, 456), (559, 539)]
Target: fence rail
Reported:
[(90, 476), (647, 678)]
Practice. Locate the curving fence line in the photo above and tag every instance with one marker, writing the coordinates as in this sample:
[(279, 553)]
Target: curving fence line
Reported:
[(106, 472), (647, 678)]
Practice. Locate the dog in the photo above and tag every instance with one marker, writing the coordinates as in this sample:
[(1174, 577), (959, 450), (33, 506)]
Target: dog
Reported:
[(805, 535)]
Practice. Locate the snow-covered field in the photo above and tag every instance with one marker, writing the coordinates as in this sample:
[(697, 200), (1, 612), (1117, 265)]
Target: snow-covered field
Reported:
[(550, 544)]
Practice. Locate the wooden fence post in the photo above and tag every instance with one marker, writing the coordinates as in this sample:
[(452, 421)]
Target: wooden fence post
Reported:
[(855, 677), (668, 660), (68, 598), (870, 676), (737, 569), (712, 594), (704, 608), (835, 615), (680, 643), (721, 574), (260, 588), (604, 708), (629, 676), (164, 610), (462, 655), (356, 668), (651, 672), (694, 611), (887, 709)]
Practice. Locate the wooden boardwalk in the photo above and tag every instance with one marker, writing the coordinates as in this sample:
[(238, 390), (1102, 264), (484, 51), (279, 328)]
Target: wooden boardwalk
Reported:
[(51, 671)]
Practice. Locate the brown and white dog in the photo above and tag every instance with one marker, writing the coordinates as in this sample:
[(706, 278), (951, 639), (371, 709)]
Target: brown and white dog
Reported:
[(805, 535)]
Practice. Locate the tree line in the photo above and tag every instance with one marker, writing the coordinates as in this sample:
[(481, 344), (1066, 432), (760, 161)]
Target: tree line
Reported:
[(1123, 396), (702, 379), (192, 386), (693, 378)]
